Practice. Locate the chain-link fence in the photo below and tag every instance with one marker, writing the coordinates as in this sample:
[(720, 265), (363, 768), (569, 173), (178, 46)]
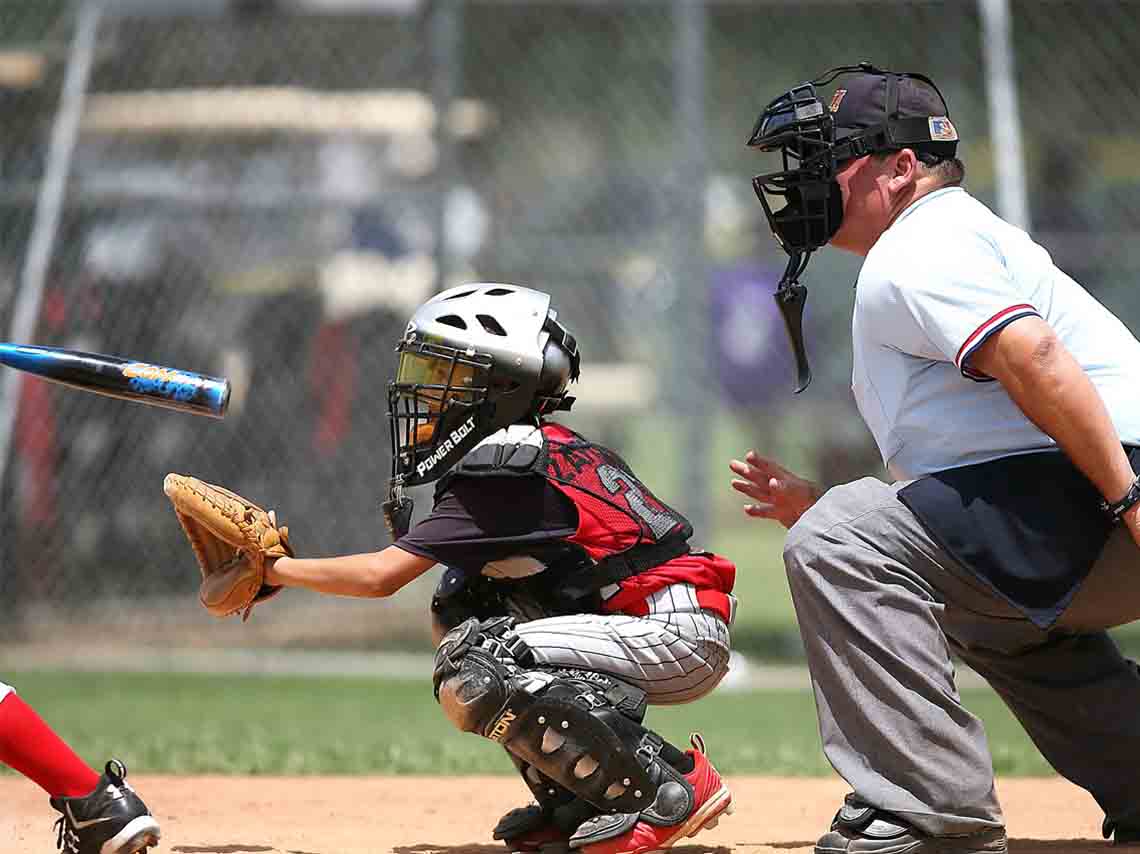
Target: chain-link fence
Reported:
[(264, 190)]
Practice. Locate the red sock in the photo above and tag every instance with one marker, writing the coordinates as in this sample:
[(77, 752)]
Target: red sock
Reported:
[(29, 746)]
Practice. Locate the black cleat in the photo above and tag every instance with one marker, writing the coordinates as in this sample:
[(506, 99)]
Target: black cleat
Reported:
[(110, 820), (1125, 831), (862, 829)]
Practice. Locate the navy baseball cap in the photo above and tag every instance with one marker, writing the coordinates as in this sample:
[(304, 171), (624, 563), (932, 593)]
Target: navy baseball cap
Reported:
[(892, 110)]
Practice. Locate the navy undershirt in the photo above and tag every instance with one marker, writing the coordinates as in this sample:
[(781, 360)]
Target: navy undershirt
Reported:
[(479, 520), (1030, 526)]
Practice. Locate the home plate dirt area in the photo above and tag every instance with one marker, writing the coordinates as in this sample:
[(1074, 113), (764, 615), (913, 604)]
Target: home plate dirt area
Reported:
[(454, 815)]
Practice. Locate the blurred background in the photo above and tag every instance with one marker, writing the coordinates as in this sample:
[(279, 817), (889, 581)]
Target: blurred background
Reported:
[(265, 190)]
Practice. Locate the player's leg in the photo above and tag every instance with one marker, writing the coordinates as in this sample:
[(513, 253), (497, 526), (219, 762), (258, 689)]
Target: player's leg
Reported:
[(859, 569), (579, 728), (98, 814), (547, 824), (1068, 688), (675, 656), (30, 746)]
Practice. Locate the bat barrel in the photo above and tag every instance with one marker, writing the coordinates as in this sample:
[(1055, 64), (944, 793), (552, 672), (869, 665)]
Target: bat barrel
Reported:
[(112, 376)]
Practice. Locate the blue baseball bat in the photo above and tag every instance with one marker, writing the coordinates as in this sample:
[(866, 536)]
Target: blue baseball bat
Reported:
[(143, 382)]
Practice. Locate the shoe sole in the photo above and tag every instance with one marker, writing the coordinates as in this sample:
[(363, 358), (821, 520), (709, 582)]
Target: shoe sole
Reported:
[(923, 846), (139, 834), (906, 848), (706, 818)]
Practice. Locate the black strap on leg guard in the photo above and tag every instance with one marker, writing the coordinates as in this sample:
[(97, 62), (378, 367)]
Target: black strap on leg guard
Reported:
[(548, 793)]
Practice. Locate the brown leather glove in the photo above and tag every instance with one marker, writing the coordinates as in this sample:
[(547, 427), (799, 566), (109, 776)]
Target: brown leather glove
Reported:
[(232, 539)]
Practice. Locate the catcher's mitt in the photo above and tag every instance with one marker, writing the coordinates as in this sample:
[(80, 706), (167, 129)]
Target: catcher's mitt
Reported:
[(232, 538)]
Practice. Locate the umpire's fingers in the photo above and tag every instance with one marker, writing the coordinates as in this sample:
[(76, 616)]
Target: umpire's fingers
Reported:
[(753, 490), (770, 468), (760, 511), (749, 472)]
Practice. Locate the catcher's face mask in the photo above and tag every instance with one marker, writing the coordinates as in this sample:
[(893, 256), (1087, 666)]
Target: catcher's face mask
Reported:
[(879, 111), (433, 406)]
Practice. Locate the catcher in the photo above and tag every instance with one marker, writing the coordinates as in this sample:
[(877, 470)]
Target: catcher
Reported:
[(571, 599)]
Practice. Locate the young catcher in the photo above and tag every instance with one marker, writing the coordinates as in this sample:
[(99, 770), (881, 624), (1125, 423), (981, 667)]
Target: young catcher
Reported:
[(571, 598)]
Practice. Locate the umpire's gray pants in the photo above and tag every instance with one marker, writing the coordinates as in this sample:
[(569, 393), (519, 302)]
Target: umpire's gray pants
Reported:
[(881, 607)]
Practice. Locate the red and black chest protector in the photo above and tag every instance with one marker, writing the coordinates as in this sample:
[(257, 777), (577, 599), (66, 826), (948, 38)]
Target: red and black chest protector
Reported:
[(623, 529)]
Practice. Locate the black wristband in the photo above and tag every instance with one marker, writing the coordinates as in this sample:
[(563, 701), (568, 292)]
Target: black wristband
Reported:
[(1117, 509)]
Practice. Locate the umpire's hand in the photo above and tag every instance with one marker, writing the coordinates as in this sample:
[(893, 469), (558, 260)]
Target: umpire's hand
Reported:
[(778, 493)]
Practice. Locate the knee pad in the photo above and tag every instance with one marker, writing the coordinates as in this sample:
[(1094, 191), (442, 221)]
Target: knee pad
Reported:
[(473, 669), (472, 696)]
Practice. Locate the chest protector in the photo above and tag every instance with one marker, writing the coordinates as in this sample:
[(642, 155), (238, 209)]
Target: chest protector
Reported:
[(623, 529)]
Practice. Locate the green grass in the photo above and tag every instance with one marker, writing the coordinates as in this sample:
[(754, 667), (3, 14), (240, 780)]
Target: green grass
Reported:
[(178, 723)]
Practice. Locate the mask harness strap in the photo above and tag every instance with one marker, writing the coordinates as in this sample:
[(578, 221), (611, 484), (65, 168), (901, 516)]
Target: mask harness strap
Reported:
[(790, 298)]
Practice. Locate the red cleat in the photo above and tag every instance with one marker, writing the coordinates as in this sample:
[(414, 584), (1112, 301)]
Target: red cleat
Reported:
[(711, 800)]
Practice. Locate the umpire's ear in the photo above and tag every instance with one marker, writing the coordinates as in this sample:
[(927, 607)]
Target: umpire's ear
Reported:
[(904, 170)]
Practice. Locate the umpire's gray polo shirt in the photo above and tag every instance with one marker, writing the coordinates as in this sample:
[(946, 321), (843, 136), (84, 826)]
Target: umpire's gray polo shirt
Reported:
[(945, 276)]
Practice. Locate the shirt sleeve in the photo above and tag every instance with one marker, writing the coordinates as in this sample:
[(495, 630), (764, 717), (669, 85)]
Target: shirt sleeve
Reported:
[(944, 305), (480, 520)]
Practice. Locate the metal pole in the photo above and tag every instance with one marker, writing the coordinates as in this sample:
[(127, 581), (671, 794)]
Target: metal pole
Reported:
[(696, 403), (1005, 115), (49, 205), (445, 71)]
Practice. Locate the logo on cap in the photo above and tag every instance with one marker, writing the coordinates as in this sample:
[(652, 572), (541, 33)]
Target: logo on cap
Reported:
[(837, 99), (942, 129)]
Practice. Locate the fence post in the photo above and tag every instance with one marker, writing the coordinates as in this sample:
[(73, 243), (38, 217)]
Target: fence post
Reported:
[(1005, 114), (45, 226), (446, 70), (691, 369)]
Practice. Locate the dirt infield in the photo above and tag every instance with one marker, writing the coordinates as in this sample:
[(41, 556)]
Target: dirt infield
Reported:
[(424, 815)]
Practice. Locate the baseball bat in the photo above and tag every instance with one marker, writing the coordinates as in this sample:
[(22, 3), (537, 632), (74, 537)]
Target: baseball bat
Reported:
[(154, 385)]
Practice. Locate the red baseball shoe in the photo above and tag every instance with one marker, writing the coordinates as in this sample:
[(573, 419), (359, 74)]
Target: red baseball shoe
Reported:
[(711, 800)]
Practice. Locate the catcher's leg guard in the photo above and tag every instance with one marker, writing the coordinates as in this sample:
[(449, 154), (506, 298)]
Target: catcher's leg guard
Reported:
[(579, 728)]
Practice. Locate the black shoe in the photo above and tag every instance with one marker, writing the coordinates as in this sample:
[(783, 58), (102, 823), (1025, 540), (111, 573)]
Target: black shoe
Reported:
[(861, 829), (1125, 831), (110, 820)]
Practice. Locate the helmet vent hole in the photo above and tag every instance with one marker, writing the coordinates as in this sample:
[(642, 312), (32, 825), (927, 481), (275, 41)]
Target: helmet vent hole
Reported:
[(490, 325), (452, 320), (459, 295), (498, 292)]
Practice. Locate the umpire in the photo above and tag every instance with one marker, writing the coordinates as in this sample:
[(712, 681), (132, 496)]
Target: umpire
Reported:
[(1003, 399)]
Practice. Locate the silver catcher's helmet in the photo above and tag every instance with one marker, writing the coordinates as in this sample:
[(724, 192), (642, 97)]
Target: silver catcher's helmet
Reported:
[(474, 359)]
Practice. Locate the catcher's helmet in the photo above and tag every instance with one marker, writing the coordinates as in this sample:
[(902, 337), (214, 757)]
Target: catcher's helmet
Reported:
[(474, 359), (872, 111)]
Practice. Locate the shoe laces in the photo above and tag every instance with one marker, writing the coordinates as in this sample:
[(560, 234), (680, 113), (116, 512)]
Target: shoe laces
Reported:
[(65, 836)]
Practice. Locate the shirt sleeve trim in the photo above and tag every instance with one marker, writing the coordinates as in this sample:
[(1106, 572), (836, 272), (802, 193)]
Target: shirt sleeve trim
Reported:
[(980, 335)]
